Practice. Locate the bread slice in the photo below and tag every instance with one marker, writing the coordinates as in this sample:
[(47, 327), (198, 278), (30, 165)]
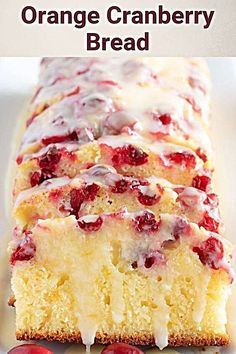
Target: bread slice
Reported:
[(121, 276), (128, 154), (101, 189)]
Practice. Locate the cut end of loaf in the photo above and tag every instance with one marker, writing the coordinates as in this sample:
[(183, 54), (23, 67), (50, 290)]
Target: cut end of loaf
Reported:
[(119, 280)]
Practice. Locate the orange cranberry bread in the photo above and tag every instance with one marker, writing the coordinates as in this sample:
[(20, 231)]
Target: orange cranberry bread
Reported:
[(117, 233)]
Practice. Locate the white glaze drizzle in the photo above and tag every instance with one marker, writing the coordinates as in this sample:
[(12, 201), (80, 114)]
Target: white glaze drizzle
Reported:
[(160, 322), (132, 90), (201, 286)]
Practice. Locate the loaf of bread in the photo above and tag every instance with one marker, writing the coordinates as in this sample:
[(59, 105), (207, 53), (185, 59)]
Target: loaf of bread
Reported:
[(118, 235)]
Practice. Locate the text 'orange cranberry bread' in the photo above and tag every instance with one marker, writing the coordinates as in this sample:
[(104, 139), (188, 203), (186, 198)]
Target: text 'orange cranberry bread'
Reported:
[(118, 235)]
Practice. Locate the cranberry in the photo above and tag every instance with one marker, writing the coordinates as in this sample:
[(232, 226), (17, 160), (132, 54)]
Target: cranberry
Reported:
[(201, 182), (135, 156), (19, 159), (90, 192), (60, 138), (121, 348), (147, 199), (150, 261), (78, 196), (24, 251), (29, 349), (91, 225), (146, 222), (165, 119), (36, 178), (76, 199), (200, 153), (49, 160), (134, 265), (129, 155), (120, 186), (209, 223), (180, 227), (210, 252), (48, 163), (185, 159)]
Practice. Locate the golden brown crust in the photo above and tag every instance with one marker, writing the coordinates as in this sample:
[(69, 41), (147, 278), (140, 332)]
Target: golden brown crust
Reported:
[(135, 339)]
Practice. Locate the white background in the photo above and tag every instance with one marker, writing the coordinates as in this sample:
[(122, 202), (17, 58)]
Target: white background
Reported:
[(17, 78)]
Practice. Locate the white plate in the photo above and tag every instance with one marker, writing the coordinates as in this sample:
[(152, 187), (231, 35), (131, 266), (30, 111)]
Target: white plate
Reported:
[(17, 78)]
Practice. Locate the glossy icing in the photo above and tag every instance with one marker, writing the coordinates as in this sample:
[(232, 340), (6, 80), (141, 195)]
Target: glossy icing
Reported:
[(153, 97)]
